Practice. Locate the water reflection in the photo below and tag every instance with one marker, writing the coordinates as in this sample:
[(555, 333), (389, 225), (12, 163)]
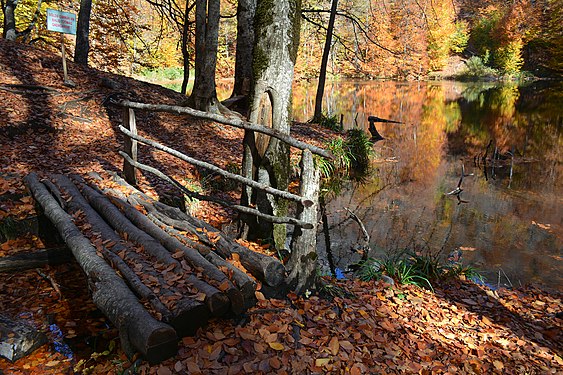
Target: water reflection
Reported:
[(511, 222)]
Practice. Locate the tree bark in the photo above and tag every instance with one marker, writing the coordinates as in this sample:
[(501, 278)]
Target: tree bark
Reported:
[(245, 46), (10, 32), (322, 74), (82, 33), (185, 51), (155, 340), (266, 160), (204, 94)]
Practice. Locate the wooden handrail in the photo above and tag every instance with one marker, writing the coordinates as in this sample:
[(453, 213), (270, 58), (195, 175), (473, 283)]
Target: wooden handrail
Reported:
[(232, 176), (238, 123), (192, 194)]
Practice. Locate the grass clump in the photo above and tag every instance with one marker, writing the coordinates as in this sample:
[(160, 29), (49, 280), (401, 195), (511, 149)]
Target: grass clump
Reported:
[(415, 269), (330, 122)]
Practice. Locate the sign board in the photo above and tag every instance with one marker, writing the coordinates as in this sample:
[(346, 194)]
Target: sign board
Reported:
[(61, 22)]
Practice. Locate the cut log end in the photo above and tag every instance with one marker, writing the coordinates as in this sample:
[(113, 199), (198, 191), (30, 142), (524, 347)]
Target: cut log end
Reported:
[(274, 274), (161, 345), (192, 315)]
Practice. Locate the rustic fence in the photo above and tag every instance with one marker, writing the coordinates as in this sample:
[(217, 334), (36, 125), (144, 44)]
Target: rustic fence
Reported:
[(308, 184)]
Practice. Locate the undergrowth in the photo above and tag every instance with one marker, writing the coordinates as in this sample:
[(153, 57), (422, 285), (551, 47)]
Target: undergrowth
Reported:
[(420, 270)]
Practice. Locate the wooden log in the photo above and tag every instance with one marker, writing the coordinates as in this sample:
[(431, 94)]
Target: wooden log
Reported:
[(155, 340), (265, 268), (38, 258), (215, 169), (192, 194), (244, 283), (236, 122), (186, 316), (216, 301), (194, 258)]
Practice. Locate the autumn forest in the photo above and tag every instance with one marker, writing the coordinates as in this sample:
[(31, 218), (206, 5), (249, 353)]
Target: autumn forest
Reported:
[(281, 187)]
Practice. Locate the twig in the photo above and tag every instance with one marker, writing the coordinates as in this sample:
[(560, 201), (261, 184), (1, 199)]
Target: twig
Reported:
[(53, 283)]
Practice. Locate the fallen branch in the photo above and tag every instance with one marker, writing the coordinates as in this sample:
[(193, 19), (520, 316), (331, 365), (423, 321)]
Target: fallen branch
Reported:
[(38, 258)]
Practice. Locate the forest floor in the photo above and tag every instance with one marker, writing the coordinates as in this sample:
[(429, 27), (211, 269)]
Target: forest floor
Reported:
[(50, 128)]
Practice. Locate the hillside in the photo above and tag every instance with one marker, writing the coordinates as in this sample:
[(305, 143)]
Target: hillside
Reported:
[(373, 328)]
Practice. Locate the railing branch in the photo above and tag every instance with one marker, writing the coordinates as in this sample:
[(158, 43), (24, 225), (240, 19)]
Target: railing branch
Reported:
[(235, 177), (192, 194), (238, 123)]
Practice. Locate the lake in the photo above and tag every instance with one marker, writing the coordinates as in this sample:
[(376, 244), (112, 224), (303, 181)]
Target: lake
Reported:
[(507, 221)]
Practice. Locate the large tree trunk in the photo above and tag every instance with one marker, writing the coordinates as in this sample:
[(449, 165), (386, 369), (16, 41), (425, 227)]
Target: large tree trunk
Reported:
[(204, 94), (82, 33), (155, 340), (322, 76), (10, 32), (245, 45), (265, 159)]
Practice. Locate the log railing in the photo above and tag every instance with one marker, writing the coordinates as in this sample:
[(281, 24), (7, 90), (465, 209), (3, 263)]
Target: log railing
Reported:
[(131, 163)]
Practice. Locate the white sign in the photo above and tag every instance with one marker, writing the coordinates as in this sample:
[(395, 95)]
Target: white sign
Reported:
[(61, 22)]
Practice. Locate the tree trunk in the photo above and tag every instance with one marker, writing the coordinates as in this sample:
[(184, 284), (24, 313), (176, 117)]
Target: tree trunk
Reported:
[(245, 46), (204, 94), (265, 159), (322, 75), (10, 32), (82, 33), (155, 340), (185, 51)]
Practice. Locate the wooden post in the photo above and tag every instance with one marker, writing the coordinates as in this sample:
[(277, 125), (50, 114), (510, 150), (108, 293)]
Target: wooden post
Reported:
[(129, 170), (303, 261), (67, 82)]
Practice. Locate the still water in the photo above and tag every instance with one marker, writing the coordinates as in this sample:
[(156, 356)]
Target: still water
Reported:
[(508, 218)]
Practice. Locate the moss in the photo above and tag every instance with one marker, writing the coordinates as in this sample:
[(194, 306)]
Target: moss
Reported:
[(280, 168), (260, 62)]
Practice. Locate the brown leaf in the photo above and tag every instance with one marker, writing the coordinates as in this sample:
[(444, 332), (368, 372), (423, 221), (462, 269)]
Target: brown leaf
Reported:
[(334, 345), (276, 345)]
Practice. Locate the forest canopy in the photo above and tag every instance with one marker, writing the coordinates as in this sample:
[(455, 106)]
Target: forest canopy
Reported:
[(403, 39)]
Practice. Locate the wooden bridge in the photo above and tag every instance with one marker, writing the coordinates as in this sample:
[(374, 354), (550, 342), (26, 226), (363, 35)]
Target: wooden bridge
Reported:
[(155, 271)]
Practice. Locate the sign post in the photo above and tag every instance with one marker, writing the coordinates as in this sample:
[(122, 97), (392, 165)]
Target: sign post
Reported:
[(64, 23)]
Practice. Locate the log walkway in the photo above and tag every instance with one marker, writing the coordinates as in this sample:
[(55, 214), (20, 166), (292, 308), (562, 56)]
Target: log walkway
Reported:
[(156, 272)]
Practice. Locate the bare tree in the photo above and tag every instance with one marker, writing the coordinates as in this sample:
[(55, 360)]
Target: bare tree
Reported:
[(322, 75), (204, 94)]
